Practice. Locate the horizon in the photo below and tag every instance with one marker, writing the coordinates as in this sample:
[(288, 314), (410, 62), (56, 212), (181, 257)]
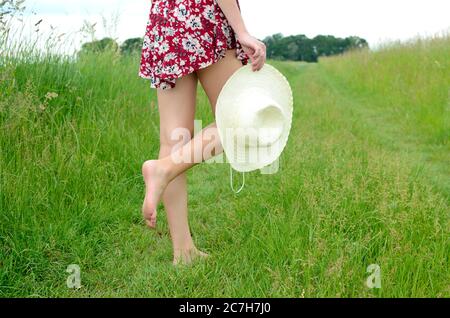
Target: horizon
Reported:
[(121, 20)]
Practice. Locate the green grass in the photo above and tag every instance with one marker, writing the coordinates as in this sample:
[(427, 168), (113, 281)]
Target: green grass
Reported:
[(364, 180)]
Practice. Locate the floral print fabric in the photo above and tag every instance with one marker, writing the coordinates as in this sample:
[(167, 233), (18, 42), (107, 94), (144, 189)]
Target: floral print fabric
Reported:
[(183, 36)]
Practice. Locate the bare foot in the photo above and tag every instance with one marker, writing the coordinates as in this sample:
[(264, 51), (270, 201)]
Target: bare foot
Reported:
[(156, 178), (186, 257)]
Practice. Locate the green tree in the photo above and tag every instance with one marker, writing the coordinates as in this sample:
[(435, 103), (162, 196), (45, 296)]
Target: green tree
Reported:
[(103, 45), (131, 45), (356, 42), (301, 48), (274, 49)]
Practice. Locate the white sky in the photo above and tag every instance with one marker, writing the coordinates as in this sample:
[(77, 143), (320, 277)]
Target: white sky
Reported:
[(375, 20)]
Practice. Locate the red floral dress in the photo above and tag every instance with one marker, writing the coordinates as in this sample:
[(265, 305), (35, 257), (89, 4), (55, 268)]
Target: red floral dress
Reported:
[(183, 36)]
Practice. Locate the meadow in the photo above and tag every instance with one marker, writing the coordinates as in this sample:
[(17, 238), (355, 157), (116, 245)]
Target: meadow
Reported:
[(365, 179)]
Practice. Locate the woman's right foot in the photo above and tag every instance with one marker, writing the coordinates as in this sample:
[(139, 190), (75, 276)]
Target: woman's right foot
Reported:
[(156, 178), (185, 257)]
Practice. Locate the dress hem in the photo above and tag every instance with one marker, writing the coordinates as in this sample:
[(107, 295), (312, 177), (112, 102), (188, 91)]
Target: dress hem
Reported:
[(170, 81)]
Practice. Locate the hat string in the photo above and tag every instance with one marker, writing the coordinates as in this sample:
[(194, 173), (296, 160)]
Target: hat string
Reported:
[(231, 181)]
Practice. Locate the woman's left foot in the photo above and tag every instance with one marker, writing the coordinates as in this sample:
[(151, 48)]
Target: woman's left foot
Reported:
[(185, 257), (156, 177)]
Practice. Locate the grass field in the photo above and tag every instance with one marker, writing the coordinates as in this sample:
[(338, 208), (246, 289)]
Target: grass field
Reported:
[(365, 179)]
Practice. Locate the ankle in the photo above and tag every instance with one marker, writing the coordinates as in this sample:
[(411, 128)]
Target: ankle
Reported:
[(167, 168)]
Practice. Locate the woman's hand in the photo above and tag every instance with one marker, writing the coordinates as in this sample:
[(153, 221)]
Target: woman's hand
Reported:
[(254, 48)]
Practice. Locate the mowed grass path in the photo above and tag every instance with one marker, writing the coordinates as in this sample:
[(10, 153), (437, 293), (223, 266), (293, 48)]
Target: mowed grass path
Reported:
[(354, 189)]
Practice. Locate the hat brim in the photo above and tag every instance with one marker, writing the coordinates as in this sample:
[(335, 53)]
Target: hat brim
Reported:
[(276, 86)]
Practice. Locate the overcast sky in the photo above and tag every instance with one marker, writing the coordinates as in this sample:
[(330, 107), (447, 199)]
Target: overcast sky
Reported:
[(375, 20)]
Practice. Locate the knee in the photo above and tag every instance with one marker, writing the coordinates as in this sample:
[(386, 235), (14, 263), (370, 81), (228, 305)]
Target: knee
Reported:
[(175, 139)]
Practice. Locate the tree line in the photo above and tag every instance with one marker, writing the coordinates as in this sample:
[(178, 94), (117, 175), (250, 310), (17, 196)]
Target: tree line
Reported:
[(279, 47), (302, 48)]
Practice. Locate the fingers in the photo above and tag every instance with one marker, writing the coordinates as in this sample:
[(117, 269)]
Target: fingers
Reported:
[(258, 58), (256, 51), (249, 51)]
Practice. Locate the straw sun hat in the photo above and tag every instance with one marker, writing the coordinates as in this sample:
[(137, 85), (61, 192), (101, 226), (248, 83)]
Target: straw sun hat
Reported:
[(253, 117)]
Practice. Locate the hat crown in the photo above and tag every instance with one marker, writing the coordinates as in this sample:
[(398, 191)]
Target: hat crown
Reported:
[(260, 118)]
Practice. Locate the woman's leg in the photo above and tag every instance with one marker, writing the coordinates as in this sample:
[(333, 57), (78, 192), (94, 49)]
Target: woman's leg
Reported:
[(212, 78), (162, 171), (177, 111)]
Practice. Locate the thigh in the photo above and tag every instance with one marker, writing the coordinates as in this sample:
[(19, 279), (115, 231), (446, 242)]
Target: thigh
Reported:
[(214, 77), (177, 110)]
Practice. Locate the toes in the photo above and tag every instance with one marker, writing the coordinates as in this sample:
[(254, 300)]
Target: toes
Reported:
[(150, 219), (151, 223), (153, 219), (148, 213)]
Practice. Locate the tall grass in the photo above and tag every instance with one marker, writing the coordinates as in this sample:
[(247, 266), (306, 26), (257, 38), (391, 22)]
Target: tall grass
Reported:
[(410, 79), (63, 124)]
